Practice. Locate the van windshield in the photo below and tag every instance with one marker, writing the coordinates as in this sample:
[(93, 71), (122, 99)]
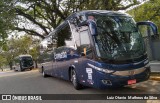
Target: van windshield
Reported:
[(118, 38)]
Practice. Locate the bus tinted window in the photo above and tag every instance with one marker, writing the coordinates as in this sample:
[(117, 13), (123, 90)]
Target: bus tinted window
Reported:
[(65, 37), (118, 38), (85, 43)]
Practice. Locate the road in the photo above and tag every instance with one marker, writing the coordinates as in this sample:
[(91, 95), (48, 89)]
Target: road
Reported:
[(32, 82)]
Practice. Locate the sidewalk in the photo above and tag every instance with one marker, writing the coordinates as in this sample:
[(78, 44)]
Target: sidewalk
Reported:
[(155, 70), (155, 62)]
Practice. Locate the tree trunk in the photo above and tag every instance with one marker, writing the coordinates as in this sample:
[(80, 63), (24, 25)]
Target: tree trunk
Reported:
[(36, 65), (1, 68), (10, 65)]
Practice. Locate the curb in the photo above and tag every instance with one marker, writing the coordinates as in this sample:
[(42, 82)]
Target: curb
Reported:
[(156, 78), (154, 63), (157, 74)]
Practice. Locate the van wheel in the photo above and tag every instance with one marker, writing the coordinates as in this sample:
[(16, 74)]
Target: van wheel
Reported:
[(44, 74), (74, 80)]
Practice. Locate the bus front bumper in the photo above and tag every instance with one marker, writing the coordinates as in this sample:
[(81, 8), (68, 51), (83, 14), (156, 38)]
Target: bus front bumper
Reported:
[(110, 80), (28, 67)]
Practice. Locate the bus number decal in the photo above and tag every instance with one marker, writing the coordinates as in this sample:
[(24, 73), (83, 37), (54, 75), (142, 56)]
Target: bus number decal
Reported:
[(89, 72)]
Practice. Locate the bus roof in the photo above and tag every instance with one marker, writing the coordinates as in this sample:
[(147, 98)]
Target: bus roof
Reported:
[(106, 12), (87, 12)]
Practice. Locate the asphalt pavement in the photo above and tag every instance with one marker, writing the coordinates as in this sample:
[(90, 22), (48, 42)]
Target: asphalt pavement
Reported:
[(32, 82)]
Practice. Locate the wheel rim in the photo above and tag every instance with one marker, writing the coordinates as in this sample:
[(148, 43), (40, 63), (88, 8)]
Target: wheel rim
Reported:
[(74, 77)]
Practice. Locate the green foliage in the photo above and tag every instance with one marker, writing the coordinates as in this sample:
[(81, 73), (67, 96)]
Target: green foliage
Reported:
[(18, 46), (148, 11), (3, 61), (34, 50), (107, 4), (6, 20), (45, 15)]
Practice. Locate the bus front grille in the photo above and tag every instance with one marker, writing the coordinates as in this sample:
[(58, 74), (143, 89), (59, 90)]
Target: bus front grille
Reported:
[(130, 72)]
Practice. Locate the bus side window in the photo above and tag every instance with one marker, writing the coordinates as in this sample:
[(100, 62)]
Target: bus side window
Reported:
[(85, 47), (56, 54), (65, 37), (60, 54)]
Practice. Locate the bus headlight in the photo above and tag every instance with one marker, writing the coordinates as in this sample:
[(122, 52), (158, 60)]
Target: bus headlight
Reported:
[(106, 70), (101, 69)]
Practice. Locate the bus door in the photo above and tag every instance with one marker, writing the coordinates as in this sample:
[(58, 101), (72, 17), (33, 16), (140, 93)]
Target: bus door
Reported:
[(86, 72)]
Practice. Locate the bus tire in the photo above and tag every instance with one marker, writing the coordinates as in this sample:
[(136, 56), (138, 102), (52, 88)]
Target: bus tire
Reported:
[(74, 80)]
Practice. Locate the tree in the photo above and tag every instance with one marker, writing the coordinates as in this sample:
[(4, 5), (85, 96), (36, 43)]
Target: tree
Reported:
[(6, 20), (21, 45), (40, 17), (3, 61), (35, 51), (148, 11), (17, 46)]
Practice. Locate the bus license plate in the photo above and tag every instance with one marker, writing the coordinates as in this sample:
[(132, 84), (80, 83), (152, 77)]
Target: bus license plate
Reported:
[(131, 81)]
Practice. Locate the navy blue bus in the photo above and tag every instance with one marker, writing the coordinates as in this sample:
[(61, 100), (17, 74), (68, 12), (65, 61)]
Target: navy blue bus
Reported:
[(97, 48)]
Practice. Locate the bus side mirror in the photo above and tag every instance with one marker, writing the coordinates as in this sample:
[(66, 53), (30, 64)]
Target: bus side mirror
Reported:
[(93, 28), (150, 25)]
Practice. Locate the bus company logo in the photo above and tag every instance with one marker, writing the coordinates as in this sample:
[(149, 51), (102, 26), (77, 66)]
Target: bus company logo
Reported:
[(131, 72), (6, 97)]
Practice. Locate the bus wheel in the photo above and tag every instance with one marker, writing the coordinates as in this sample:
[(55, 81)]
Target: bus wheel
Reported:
[(74, 80)]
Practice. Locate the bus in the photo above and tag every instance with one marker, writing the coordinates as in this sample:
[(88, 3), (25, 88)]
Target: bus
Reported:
[(23, 62), (97, 48)]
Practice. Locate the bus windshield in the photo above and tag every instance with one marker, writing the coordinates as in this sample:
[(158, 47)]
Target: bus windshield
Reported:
[(118, 38), (27, 61)]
